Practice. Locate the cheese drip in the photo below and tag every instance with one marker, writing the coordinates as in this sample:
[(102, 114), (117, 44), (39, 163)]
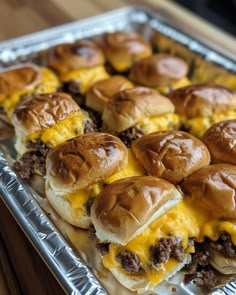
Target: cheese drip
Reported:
[(86, 77), (176, 222), (49, 83), (198, 126), (180, 83), (167, 121), (70, 127)]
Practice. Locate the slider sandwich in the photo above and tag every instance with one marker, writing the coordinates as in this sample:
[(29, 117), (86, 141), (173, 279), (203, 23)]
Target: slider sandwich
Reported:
[(161, 71), (202, 105), (79, 65), (144, 231), (131, 113), (42, 122), (210, 198), (123, 48), (17, 82), (80, 168), (171, 155), (220, 139)]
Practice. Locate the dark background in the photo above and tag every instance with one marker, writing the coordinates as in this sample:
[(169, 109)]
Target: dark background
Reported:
[(220, 12)]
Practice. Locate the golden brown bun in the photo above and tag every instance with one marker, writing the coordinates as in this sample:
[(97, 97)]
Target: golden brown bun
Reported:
[(127, 206), (99, 94), (41, 111), (221, 141), (215, 187), (84, 160), (158, 70), (129, 106), (171, 155), (203, 100), (122, 49), (81, 54), (18, 78)]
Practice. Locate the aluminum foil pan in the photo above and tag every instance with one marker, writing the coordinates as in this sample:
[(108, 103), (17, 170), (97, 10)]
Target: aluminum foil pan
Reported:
[(67, 251)]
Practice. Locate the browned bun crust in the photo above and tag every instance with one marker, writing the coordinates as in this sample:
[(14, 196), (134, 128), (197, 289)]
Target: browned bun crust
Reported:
[(85, 160), (125, 207), (41, 111), (129, 106), (215, 187), (122, 49), (221, 141), (81, 54), (18, 78), (203, 100), (171, 155), (99, 94), (158, 70)]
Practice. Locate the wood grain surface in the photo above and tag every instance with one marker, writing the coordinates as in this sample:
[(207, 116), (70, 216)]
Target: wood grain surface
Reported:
[(22, 271)]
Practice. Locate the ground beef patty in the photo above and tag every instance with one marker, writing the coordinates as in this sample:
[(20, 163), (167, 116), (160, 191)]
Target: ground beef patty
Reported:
[(129, 262), (130, 134), (32, 162)]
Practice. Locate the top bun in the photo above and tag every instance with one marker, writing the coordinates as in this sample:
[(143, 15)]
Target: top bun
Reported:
[(81, 54), (129, 106), (122, 49), (41, 111), (101, 92), (220, 140), (127, 206), (19, 77), (84, 160), (203, 100), (215, 187), (158, 70), (171, 155)]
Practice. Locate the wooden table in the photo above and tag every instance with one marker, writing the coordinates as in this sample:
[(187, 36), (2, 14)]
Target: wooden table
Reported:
[(22, 270)]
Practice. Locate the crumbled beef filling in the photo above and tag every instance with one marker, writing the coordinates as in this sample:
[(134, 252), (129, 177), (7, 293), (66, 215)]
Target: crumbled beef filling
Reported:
[(89, 126), (166, 248), (129, 262), (103, 248), (223, 244), (199, 270), (32, 162), (29, 164), (95, 116), (130, 134), (88, 204), (72, 87)]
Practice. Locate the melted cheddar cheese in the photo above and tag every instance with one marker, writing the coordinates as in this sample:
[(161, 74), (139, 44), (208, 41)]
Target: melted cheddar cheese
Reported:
[(176, 222), (168, 121), (70, 127), (199, 125), (49, 83), (180, 83), (79, 198), (86, 77)]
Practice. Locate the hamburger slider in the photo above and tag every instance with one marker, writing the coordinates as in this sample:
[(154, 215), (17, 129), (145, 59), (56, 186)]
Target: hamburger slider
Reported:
[(131, 113), (79, 65), (41, 122), (171, 155), (221, 141), (18, 82), (78, 170), (202, 105), (123, 48), (210, 196), (163, 72), (100, 93), (143, 229)]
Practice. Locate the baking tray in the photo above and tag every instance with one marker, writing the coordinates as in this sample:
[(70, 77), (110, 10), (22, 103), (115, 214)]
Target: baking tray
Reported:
[(49, 235)]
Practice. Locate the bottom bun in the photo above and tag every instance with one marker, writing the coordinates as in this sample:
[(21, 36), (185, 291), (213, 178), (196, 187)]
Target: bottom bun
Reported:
[(141, 283), (75, 216), (224, 265)]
